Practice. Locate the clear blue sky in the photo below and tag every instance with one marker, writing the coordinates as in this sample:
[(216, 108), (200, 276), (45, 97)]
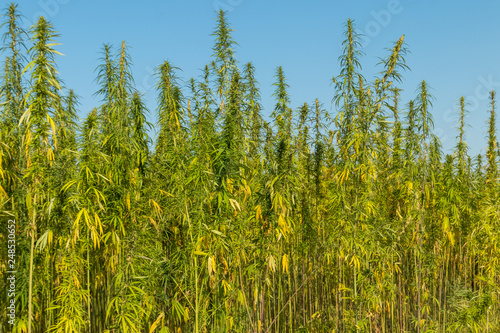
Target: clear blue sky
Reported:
[(454, 46)]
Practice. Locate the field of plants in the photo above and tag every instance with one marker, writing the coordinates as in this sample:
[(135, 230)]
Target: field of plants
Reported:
[(351, 220)]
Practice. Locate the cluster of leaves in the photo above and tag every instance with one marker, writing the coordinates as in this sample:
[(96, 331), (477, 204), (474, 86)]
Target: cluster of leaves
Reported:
[(229, 223)]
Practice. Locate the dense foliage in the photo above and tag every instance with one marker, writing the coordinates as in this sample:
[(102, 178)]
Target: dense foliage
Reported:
[(228, 223)]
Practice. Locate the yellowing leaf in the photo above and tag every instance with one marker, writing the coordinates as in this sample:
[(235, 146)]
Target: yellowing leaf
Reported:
[(258, 213), (235, 204), (282, 224), (272, 263), (451, 238), (355, 260), (153, 204), (230, 185), (211, 266), (226, 286), (153, 222), (127, 201), (446, 224), (156, 322), (284, 262)]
